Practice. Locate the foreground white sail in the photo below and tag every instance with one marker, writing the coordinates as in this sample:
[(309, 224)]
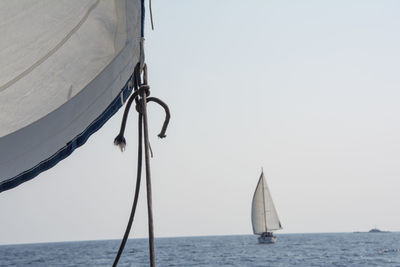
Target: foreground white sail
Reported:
[(263, 213), (65, 67)]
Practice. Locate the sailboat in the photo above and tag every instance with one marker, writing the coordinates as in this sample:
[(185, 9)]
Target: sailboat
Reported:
[(264, 217)]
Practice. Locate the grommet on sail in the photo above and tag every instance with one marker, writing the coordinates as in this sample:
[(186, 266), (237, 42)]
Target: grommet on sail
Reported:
[(65, 69)]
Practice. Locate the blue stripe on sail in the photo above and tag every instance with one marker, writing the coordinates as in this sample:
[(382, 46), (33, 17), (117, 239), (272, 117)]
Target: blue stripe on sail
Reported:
[(72, 145)]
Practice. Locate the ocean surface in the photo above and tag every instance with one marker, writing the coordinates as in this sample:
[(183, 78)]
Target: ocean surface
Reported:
[(333, 249)]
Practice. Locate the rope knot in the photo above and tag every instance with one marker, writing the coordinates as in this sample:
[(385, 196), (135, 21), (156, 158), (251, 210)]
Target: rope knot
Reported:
[(144, 89)]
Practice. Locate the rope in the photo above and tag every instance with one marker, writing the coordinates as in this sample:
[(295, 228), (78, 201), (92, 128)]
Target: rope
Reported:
[(140, 95), (151, 16), (120, 139), (167, 115)]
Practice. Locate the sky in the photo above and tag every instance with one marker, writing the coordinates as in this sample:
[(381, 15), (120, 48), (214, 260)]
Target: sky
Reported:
[(308, 90)]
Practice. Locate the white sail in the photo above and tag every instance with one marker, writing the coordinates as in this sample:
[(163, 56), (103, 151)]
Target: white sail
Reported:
[(263, 213), (64, 71)]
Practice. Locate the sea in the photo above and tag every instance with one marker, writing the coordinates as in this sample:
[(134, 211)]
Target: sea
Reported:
[(325, 249)]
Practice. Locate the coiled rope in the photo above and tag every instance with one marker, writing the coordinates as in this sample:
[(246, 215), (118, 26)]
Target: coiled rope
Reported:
[(140, 95)]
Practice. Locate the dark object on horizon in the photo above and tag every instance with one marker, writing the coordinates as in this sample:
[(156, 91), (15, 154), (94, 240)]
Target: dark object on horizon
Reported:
[(376, 230)]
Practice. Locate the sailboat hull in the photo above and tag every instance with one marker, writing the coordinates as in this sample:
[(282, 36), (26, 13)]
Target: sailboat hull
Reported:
[(266, 239)]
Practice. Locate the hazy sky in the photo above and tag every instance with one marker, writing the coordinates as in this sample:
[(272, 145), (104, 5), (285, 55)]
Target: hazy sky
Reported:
[(307, 89)]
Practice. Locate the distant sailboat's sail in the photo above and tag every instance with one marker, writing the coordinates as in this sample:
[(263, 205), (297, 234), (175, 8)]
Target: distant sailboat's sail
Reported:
[(263, 213), (65, 67)]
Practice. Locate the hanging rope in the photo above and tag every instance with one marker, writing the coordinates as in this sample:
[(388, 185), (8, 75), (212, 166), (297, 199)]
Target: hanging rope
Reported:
[(140, 95), (135, 200)]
